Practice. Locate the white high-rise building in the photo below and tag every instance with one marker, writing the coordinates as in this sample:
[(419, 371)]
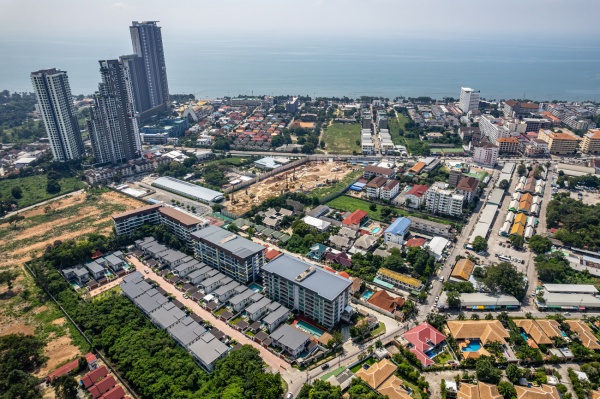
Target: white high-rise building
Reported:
[(495, 128), (469, 99), (440, 199), (55, 103), (485, 154)]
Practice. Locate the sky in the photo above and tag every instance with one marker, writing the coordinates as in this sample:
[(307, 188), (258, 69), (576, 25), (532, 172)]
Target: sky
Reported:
[(383, 19)]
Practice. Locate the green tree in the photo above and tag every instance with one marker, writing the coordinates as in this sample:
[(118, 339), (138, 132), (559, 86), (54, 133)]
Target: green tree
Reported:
[(486, 372), (504, 184), (16, 192), (336, 339), (517, 241), (453, 299), (479, 244), (507, 390), (52, 187), (505, 278), (522, 169), (513, 373), (65, 387), (540, 244), (373, 207), (8, 277)]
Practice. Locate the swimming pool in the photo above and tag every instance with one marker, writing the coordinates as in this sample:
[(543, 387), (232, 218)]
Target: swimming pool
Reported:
[(563, 334), (473, 346), (312, 330), (524, 336), (368, 294), (255, 287), (376, 230)]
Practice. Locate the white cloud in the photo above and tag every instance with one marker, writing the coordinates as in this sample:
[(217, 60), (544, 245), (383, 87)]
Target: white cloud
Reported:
[(120, 6)]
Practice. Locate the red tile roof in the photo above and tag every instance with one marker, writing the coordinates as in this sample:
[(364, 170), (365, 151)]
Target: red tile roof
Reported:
[(103, 386), (272, 254), (424, 337), (355, 217), (418, 190), (415, 242), (385, 301), (66, 369), (467, 184), (116, 393), (344, 274), (94, 376)]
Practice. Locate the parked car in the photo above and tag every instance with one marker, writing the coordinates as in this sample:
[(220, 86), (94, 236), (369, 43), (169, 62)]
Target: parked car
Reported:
[(289, 395), (325, 366)]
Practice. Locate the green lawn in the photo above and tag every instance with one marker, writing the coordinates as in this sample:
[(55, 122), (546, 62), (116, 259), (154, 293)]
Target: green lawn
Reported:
[(370, 361), (394, 125), (326, 191), (380, 329), (341, 138), (443, 357), (235, 161), (350, 204), (335, 372), (34, 188)]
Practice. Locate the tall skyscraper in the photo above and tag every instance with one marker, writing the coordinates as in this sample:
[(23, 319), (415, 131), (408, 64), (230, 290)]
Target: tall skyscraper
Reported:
[(147, 44), (469, 99), (113, 124), (58, 113)]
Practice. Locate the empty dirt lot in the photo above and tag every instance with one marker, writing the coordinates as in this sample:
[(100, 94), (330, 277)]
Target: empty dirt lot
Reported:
[(304, 179), (25, 308)]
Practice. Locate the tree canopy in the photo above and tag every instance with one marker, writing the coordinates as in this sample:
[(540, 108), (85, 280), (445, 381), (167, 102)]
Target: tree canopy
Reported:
[(480, 244), (540, 244), (505, 278)]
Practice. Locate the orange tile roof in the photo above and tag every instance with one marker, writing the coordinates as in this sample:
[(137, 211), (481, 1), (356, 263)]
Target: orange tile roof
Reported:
[(564, 136), (377, 373), (508, 140), (355, 217), (463, 269), (418, 167)]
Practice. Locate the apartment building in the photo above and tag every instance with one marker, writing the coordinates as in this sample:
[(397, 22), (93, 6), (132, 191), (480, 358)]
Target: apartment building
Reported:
[(493, 128), (485, 153), (367, 144), (559, 143), (177, 222), (235, 256), (374, 187), (316, 293), (389, 190), (591, 142), (429, 227), (468, 187), (378, 171), (508, 145), (515, 109), (442, 200)]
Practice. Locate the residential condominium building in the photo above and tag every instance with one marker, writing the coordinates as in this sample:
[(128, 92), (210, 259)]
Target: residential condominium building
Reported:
[(591, 142), (508, 145), (153, 87), (389, 190), (55, 104), (559, 143), (469, 99), (485, 153), (367, 144), (316, 293), (444, 201), (429, 227), (494, 128), (177, 222), (374, 187), (113, 125), (232, 255)]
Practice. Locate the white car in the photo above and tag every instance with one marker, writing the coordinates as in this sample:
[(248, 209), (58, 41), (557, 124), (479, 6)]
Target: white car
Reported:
[(437, 298), (146, 271), (289, 396)]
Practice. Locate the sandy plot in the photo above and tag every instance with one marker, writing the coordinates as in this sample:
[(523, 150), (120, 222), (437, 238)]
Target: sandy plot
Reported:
[(17, 328), (59, 351), (303, 179)]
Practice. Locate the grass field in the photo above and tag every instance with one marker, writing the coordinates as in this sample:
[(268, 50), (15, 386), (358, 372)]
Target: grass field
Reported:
[(234, 161), (350, 204), (34, 188), (341, 138), (394, 125), (326, 191)]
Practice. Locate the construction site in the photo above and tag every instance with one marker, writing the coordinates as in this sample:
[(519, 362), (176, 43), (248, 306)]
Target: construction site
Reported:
[(308, 178)]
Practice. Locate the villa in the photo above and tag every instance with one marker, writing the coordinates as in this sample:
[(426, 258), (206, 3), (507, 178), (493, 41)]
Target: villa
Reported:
[(380, 376), (543, 392), (588, 339), (531, 328), (424, 339), (481, 390), (474, 334)]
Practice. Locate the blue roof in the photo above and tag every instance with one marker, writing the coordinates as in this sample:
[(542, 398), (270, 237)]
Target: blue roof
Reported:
[(399, 227)]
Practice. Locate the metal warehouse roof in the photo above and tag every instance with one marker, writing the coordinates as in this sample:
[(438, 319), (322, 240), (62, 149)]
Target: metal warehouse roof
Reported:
[(189, 189), (571, 288)]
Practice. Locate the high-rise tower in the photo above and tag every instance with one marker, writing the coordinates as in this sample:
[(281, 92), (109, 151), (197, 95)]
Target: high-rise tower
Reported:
[(113, 124), (55, 102), (147, 44)]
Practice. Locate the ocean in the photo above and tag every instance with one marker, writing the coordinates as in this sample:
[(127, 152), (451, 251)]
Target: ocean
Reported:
[(388, 67)]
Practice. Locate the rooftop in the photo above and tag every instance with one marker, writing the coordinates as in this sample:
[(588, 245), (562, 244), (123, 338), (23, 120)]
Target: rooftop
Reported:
[(290, 337), (326, 284), (178, 216), (236, 245), (189, 189)]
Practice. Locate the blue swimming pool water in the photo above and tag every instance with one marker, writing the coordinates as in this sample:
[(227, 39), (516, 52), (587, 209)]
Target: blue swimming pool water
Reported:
[(375, 230), (255, 287), (368, 294), (317, 332), (563, 334), (524, 336), (473, 346)]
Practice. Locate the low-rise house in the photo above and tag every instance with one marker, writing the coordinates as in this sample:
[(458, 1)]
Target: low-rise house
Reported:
[(587, 337), (167, 315), (544, 391), (150, 301), (377, 171), (423, 339), (77, 274), (94, 377), (185, 269), (276, 317), (365, 242), (430, 228), (187, 331), (414, 197), (96, 269), (103, 386), (462, 270), (319, 224), (340, 242), (239, 301), (291, 340), (224, 292), (383, 300), (214, 282), (114, 263), (355, 219), (258, 309), (479, 391), (377, 373), (207, 350), (468, 187), (197, 276)]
